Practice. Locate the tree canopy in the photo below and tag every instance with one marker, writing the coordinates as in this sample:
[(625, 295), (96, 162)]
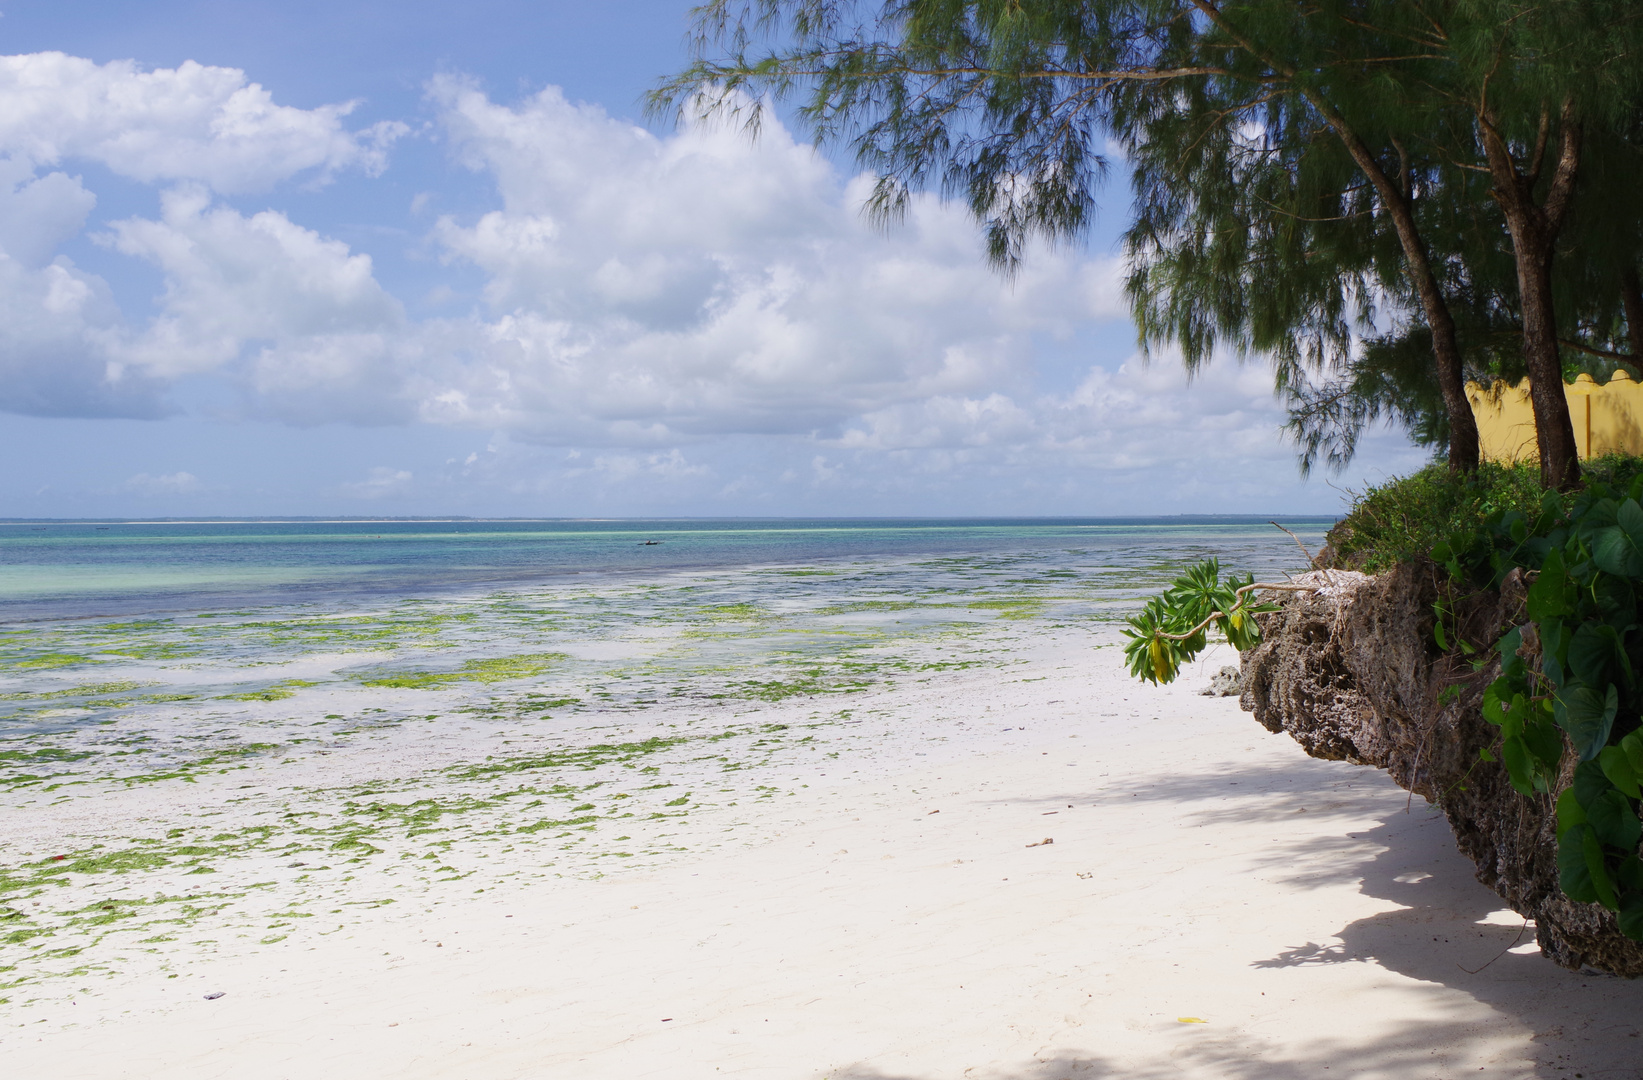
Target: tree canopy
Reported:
[(1327, 185)]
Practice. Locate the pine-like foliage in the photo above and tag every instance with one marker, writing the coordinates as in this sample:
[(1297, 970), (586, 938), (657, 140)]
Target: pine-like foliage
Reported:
[(1307, 177)]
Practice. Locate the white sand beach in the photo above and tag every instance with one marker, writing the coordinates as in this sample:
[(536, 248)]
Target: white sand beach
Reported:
[(595, 541), (1213, 904)]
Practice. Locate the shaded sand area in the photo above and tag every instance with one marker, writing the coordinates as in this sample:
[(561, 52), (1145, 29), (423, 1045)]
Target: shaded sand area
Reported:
[(793, 833)]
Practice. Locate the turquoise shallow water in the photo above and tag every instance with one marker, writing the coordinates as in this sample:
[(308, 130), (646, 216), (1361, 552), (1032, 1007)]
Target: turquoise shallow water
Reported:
[(319, 717), (51, 570)]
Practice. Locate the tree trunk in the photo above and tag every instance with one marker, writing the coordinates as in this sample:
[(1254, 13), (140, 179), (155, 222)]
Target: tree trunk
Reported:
[(1463, 425), (1534, 229), (1554, 430), (1631, 295)]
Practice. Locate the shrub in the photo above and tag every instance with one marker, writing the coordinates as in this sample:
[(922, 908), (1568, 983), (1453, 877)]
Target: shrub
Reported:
[(1404, 519), (1571, 680), (1407, 517)]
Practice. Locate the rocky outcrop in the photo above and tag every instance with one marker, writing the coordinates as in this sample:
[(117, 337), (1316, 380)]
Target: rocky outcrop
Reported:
[(1353, 672), (1223, 683)]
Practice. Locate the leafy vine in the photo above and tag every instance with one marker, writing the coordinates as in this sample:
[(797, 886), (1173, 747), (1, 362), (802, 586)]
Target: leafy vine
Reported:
[(1568, 684), (1569, 675)]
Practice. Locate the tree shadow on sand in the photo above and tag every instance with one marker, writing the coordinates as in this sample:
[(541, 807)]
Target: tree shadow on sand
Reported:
[(1447, 930), (1583, 1021)]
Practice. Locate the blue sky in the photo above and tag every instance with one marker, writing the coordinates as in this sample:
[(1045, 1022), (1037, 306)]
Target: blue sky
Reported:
[(416, 258)]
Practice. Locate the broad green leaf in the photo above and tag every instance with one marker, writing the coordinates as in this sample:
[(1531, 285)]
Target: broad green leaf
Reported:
[(1631, 916), (1548, 595), (1587, 717), (1573, 874), (1520, 768), (1614, 600), (1589, 783), (1511, 664), (1591, 650), (1613, 820), (1569, 812), (1597, 514), (1633, 745), (1542, 739), (1509, 716), (1630, 519), (1615, 553), (1492, 709), (1618, 768), (1592, 849), (1610, 548)]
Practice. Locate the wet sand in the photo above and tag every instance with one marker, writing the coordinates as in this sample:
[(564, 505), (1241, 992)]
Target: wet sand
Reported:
[(1033, 870)]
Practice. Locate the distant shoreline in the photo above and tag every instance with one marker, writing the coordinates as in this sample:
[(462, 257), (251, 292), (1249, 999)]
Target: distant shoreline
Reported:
[(85, 569), (294, 519)]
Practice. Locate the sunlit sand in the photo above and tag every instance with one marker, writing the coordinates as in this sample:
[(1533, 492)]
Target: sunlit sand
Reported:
[(1027, 868)]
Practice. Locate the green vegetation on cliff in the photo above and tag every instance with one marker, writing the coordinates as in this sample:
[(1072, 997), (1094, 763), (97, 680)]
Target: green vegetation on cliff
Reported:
[(1568, 702), (1406, 518)]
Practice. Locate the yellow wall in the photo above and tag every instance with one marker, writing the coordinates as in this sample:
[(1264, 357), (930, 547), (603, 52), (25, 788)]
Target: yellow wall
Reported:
[(1607, 418)]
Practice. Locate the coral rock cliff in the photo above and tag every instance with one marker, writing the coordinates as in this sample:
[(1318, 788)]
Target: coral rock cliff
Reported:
[(1352, 672)]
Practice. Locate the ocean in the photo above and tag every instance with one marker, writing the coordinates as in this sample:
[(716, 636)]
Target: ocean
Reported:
[(166, 626), (84, 569), (247, 735), (184, 623)]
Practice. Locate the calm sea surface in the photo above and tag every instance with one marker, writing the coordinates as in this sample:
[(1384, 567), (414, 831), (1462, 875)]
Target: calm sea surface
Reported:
[(423, 710), (56, 570)]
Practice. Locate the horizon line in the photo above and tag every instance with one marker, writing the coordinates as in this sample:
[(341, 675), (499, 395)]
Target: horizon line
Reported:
[(276, 519)]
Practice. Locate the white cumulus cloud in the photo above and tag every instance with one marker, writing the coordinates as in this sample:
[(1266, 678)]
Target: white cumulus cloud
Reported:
[(646, 289), (38, 213), (233, 279), (66, 348), (192, 122), (690, 315)]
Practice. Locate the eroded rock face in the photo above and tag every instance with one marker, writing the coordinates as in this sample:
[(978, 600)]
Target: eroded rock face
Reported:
[(1353, 673), (1223, 683)]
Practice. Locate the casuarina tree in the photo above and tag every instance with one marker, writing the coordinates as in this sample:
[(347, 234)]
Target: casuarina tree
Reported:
[(1008, 105), (1540, 79), (1353, 111)]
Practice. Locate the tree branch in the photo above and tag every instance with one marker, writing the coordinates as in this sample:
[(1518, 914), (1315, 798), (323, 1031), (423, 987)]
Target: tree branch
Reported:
[(1591, 350), (1242, 595), (1568, 167), (1537, 157)]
